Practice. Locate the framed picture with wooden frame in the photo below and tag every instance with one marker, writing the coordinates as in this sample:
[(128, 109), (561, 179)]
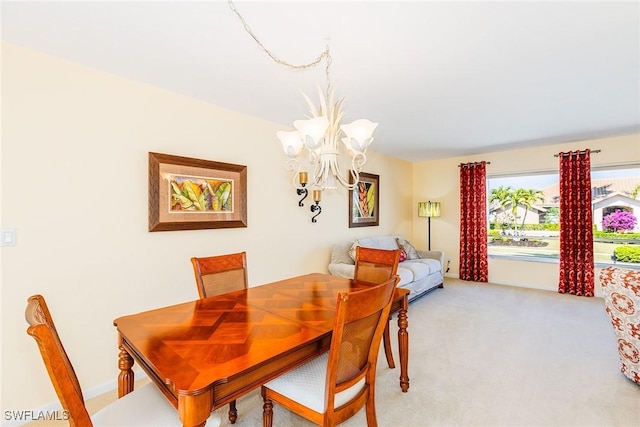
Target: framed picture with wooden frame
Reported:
[(193, 194), (364, 201)]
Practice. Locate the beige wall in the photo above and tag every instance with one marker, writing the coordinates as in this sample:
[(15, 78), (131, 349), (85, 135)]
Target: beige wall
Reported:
[(74, 185), (438, 180)]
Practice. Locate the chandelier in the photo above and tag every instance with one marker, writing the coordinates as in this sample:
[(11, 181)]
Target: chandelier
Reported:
[(321, 135)]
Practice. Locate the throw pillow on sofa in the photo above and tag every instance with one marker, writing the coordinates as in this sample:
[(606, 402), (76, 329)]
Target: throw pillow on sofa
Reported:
[(412, 253), (403, 255), (352, 250), (340, 254)]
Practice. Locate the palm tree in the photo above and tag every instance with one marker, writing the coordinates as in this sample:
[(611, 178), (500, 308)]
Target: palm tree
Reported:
[(500, 197), (516, 198), (528, 199)]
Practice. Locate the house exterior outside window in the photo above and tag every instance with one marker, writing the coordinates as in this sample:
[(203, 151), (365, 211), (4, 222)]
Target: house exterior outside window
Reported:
[(524, 215)]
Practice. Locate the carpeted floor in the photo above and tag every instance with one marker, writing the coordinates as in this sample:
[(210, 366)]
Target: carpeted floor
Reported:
[(490, 355)]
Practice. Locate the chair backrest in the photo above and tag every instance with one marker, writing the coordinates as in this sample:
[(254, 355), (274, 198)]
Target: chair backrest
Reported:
[(376, 265), (621, 290), (359, 323), (220, 274), (61, 372)]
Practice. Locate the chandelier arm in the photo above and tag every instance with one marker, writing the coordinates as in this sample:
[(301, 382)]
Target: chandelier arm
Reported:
[(320, 174), (345, 183), (337, 172), (341, 177), (358, 161), (355, 175), (294, 166)]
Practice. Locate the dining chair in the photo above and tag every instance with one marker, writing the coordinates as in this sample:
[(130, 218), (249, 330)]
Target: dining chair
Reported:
[(220, 274), (145, 406), (216, 275), (377, 266), (333, 387)]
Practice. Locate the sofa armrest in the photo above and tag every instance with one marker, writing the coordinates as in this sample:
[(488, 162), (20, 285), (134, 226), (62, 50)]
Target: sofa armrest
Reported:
[(437, 255)]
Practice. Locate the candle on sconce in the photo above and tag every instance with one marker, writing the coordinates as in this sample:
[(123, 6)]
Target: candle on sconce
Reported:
[(317, 195), (303, 177)]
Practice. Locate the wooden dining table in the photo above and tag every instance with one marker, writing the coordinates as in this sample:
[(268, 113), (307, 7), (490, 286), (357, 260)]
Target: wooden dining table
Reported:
[(206, 353)]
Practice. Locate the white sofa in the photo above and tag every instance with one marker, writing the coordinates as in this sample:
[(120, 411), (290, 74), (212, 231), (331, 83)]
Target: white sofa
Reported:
[(421, 272)]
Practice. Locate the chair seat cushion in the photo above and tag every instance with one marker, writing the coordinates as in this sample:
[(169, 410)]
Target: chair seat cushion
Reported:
[(145, 406), (306, 385)]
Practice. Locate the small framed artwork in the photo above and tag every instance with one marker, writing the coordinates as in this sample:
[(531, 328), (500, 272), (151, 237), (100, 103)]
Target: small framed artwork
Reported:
[(193, 194), (364, 201)]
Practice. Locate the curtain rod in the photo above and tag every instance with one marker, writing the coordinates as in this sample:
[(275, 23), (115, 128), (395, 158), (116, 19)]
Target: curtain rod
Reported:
[(579, 152), (466, 165)]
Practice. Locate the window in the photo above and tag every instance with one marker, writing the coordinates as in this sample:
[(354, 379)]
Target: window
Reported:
[(524, 215)]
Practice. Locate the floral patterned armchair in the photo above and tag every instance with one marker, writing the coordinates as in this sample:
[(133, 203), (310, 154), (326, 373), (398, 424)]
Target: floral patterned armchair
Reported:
[(621, 290)]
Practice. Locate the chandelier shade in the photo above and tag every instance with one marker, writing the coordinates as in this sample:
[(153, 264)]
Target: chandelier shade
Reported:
[(358, 135), (291, 143), (312, 131)]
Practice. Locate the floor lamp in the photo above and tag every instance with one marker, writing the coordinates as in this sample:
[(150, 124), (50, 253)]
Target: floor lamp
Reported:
[(429, 210)]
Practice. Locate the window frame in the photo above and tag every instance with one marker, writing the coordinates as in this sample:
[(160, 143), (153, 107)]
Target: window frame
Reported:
[(553, 259)]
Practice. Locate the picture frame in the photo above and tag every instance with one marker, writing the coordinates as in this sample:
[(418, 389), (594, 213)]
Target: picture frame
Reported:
[(193, 194), (364, 201)]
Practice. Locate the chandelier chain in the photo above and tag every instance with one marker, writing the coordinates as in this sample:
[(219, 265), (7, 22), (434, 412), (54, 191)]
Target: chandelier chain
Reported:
[(326, 55), (320, 135)]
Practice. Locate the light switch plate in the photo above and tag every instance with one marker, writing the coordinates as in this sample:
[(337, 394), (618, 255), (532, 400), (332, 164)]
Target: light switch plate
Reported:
[(8, 237)]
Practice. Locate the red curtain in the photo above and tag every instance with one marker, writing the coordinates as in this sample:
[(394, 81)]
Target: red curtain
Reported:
[(576, 224), (473, 222)]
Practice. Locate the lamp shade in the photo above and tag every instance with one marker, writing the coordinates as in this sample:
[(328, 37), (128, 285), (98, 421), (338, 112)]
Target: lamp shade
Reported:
[(358, 134), (291, 143), (429, 209), (312, 130)]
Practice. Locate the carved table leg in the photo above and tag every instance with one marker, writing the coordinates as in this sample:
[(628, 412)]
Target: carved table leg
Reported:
[(126, 376), (233, 412), (267, 412), (403, 344)]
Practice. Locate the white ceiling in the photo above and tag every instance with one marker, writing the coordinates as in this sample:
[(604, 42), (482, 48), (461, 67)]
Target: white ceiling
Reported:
[(443, 78)]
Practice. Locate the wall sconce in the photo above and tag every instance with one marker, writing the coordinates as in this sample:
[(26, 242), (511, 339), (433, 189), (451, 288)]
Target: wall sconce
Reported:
[(304, 192), (317, 194), (303, 178), (429, 210)]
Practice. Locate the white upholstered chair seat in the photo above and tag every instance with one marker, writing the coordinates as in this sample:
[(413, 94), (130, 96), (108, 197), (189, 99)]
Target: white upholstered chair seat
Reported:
[(306, 385), (145, 406)]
